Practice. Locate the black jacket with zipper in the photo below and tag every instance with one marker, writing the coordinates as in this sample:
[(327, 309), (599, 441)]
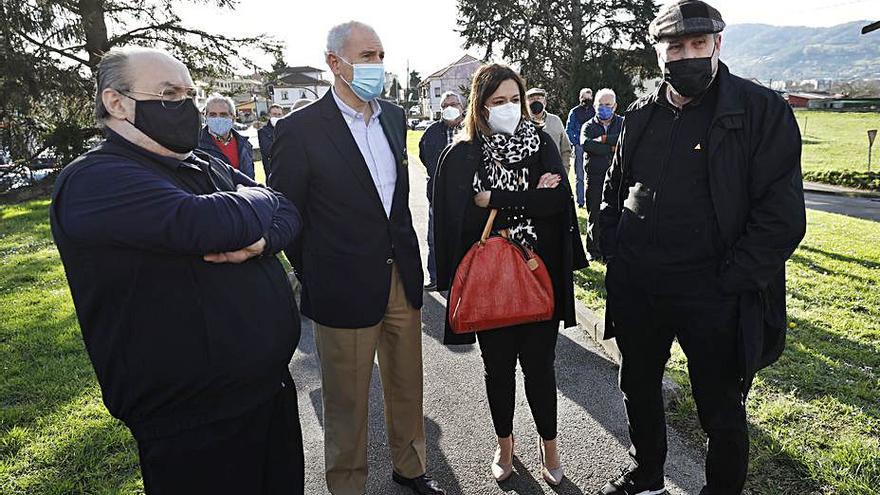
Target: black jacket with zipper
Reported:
[(756, 186), (458, 222)]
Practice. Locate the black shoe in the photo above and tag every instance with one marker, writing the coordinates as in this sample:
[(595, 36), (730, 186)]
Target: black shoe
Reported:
[(431, 286), (423, 485), (627, 485)]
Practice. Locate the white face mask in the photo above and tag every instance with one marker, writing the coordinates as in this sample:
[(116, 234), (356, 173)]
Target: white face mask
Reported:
[(504, 119), (274, 121), (451, 113)]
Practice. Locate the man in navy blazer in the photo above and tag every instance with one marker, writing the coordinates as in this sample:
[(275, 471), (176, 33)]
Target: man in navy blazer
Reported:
[(342, 161)]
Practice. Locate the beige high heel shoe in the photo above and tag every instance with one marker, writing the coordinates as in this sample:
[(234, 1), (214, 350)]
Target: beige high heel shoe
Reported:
[(552, 475), (502, 471)]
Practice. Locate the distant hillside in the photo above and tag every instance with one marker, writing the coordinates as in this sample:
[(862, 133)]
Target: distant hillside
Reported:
[(792, 53)]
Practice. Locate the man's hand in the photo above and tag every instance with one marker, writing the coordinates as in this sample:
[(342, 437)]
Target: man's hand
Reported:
[(239, 256), (549, 181), (481, 199)]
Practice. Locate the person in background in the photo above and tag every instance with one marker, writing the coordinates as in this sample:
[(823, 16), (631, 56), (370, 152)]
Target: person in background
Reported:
[(266, 135), (536, 98), (703, 205), (220, 139), (435, 139), (599, 142), (185, 311), (342, 161), (577, 117), (503, 161)]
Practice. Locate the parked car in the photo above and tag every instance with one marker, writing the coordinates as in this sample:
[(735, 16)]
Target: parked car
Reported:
[(421, 126)]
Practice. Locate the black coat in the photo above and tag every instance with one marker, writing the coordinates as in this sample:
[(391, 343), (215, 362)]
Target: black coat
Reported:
[(757, 191), (432, 144), (458, 222), (345, 254), (265, 136)]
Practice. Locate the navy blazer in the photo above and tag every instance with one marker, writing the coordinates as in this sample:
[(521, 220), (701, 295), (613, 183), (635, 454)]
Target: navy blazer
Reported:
[(348, 246)]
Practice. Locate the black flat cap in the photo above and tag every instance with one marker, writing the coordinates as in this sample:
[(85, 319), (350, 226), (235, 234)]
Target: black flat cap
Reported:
[(686, 17)]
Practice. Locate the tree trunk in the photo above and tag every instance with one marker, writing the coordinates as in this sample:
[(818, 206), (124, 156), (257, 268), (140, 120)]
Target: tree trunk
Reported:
[(578, 52), (95, 29)]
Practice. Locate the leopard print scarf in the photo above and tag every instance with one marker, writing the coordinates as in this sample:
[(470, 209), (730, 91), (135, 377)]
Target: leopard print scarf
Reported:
[(503, 169)]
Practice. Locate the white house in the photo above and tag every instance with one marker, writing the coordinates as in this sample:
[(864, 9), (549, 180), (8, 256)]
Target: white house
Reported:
[(453, 77), (296, 83)]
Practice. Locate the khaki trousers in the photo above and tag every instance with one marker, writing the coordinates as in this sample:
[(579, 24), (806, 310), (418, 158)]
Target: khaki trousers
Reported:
[(346, 357)]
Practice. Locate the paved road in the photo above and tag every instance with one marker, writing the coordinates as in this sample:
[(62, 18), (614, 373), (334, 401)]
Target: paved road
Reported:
[(592, 428), (866, 208)]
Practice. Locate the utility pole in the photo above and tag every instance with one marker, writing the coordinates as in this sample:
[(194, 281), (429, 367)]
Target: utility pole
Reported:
[(872, 133)]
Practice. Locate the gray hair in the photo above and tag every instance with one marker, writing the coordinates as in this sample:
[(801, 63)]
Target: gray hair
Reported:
[(214, 98), (447, 94), (112, 74), (339, 34), (584, 90), (604, 92)]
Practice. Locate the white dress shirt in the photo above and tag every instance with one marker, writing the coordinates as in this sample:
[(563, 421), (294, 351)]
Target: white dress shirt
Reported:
[(371, 140)]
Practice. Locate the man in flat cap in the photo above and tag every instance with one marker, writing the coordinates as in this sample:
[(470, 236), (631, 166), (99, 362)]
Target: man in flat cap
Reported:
[(702, 206), (549, 123)]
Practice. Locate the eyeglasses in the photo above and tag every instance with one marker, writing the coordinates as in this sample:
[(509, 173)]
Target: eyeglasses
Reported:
[(172, 97)]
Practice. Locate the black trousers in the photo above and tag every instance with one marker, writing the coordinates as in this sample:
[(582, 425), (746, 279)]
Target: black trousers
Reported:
[(705, 324), (534, 345), (594, 201), (260, 452)]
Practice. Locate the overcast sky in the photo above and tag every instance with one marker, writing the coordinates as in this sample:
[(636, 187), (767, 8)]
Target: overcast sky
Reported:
[(423, 32)]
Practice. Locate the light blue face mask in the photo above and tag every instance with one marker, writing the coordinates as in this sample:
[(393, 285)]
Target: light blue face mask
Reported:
[(368, 80), (219, 126)]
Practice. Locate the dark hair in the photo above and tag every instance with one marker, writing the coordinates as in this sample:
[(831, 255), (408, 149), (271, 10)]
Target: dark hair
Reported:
[(275, 105), (486, 81)]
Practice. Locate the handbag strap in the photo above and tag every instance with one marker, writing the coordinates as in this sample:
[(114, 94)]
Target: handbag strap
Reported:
[(487, 230)]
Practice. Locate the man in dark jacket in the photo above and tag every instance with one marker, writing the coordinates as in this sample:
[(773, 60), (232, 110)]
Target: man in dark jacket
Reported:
[(703, 205), (342, 161), (266, 135), (577, 117), (435, 139), (220, 139), (186, 313), (599, 141)]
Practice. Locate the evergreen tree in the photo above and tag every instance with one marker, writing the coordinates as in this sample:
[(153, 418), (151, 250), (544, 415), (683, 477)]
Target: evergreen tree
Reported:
[(50, 49), (565, 45)]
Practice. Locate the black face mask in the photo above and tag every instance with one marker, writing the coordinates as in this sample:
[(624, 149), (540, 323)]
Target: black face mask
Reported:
[(587, 102), (174, 128), (690, 77), (536, 107)]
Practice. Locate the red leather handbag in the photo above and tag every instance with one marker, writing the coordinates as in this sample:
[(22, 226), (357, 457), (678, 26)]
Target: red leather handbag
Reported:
[(499, 283)]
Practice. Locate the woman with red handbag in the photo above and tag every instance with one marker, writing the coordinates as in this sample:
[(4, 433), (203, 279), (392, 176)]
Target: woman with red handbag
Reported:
[(507, 243)]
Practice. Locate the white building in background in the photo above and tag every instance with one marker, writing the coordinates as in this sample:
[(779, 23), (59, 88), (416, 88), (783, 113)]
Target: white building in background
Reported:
[(453, 77), (296, 83)]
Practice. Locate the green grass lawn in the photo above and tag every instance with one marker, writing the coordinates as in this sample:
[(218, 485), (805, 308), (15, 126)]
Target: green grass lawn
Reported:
[(837, 141), (56, 437), (814, 415)]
